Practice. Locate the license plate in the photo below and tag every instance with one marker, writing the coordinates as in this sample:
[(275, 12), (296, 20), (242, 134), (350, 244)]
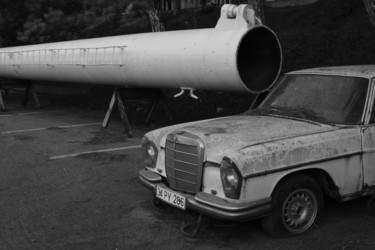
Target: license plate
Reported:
[(171, 197)]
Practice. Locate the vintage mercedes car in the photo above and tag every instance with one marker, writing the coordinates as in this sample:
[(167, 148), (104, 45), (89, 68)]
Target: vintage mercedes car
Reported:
[(314, 135)]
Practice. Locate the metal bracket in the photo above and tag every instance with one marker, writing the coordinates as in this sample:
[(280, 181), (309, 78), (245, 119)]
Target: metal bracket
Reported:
[(30, 90), (237, 17), (370, 201), (122, 95), (191, 230), (191, 93)]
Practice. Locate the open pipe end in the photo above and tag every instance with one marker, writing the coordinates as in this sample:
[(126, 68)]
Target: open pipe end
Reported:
[(259, 59)]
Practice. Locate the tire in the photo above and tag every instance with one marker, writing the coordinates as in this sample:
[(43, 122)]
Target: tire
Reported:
[(296, 203)]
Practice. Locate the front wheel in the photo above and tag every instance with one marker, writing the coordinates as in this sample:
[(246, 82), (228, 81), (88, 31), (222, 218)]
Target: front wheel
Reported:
[(296, 204)]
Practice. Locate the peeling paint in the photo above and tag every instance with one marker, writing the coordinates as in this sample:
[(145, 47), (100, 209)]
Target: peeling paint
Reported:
[(224, 136), (300, 149)]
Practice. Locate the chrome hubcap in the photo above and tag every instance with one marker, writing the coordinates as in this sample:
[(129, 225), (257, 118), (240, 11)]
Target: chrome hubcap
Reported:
[(299, 211)]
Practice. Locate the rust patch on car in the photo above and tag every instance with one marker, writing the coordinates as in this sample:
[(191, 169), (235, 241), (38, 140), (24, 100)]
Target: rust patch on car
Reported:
[(213, 131)]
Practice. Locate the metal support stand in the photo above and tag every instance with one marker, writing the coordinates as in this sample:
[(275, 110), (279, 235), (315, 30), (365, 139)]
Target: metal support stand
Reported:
[(116, 97), (31, 90), (158, 99), (119, 95), (2, 106), (370, 201)]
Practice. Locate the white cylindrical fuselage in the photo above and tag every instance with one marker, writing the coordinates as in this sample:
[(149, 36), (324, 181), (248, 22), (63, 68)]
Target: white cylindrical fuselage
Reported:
[(212, 59)]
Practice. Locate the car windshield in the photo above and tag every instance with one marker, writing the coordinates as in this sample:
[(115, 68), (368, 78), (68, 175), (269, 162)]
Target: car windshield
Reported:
[(318, 98)]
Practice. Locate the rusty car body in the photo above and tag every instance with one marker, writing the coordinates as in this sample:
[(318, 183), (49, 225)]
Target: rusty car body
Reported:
[(314, 135)]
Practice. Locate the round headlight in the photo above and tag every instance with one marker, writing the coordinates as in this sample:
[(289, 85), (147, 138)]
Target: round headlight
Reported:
[(149, 153), (230, 178)]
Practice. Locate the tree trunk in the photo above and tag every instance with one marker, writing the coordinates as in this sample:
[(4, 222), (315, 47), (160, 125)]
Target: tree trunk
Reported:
[(176, 6), (370, 7), (158, 4), (258, 6), (156, 23)]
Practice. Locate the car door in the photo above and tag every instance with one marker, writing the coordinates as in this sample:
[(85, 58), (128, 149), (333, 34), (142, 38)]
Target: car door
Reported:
[(368, 142)]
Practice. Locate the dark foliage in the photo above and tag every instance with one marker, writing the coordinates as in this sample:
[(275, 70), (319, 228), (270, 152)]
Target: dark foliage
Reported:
[(41, 21), (333, 32), (12, 17)]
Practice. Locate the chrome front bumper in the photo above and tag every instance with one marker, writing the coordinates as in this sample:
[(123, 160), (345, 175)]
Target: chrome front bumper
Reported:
[(212, 205)]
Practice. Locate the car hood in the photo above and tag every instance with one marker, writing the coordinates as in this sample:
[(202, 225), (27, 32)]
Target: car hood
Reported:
[(224, 136), (263, 144)]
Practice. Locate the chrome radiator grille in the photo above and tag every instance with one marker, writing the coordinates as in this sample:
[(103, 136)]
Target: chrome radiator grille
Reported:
[(184, 160)]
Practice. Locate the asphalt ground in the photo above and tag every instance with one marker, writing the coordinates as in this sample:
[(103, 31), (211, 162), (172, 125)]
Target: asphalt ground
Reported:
[(65, 183)]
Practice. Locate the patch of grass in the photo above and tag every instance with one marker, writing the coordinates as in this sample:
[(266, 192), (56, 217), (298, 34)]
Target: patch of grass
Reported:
[(105, 158), (23, 137), (103, 136)]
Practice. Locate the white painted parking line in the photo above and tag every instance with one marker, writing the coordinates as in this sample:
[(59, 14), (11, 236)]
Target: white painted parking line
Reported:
[(92, 152), (39, 129)]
